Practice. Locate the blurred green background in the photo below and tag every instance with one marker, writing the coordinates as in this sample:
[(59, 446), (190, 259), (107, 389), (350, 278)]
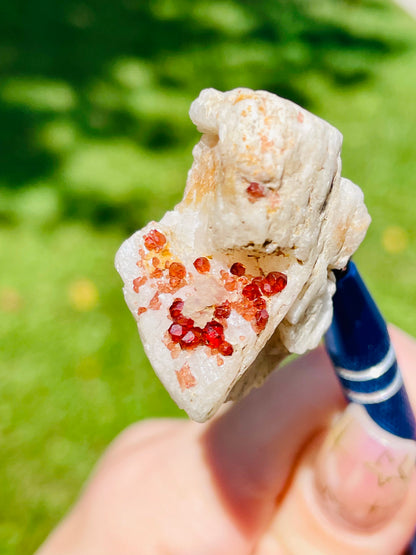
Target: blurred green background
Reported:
[(95, 141)]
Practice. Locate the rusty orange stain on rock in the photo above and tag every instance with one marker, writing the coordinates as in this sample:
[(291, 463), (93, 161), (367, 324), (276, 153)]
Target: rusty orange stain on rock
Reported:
[(202, 178), (243, 96), (266, 144)]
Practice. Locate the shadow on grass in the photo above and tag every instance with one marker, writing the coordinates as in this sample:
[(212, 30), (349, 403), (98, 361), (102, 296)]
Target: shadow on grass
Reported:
[(91, 69)]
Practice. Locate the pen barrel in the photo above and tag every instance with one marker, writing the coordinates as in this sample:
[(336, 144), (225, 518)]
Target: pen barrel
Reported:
[(359, 346)]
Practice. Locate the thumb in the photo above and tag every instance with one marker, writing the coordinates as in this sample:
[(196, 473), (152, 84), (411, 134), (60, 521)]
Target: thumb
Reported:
[(354, 490), (362, 471)]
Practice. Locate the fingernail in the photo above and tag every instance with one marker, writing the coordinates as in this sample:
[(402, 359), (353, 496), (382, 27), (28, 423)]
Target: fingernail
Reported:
[(362, 472)]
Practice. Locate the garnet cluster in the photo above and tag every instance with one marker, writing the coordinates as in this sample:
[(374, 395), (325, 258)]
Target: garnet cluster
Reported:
[(253, 305), (258, 287), (189, 336)]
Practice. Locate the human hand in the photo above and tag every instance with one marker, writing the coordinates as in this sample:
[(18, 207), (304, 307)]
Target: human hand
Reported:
[(256, 480)]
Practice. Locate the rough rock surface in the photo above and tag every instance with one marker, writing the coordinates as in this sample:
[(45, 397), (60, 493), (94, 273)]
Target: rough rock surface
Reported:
[(265, 191)]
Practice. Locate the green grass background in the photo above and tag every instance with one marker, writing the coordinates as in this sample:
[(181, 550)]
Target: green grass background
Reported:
[(95, 141)]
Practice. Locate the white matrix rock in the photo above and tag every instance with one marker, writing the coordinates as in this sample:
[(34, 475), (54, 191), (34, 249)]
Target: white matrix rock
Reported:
[(264, 191)]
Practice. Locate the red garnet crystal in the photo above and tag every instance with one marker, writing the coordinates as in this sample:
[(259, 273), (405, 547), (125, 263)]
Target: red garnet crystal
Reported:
[(184, 332), (251, 292), (191, 338), (257, 281), (154, 240), (255, 191), (183, 321), (177, 270), (202, 265), (176, 332), (262, 317), (259, 303), (226, 349), (213, 334), (176, 308), (266, 287), (276, 281), (223, 310), (238, 269)]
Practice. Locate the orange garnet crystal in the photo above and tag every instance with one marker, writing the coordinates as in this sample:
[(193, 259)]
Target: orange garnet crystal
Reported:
[(202, 265), (154, 240)]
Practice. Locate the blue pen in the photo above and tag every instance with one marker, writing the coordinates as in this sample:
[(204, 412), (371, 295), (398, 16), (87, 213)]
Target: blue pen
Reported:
[(411, 550), (359, 346)]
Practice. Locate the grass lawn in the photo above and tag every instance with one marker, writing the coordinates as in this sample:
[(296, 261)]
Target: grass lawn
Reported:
[(96, 141)]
